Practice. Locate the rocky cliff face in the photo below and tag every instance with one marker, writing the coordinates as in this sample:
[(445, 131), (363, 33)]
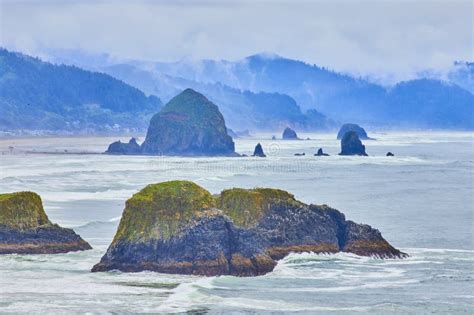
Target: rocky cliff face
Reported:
[(188, 125), (179, 227), (351, 145), (26, 229), (352, 127)]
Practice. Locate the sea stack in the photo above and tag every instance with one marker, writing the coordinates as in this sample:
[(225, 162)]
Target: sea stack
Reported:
[(26, 229), (321, 153), (351, 145), (353, 127), (189, 124), (179, 227), (390, 154), (258, 151), (289, 134)]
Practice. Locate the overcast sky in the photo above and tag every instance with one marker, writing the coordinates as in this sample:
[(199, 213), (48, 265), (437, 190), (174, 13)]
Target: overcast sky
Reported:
[(368, 37)]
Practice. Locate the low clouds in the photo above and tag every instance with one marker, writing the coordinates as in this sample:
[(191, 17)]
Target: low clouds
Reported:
[(382, 38)]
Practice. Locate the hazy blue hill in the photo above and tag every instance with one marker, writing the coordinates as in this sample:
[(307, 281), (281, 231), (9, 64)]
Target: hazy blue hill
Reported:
[(429, 103), (38, 95), (241, 109), (414, 104)]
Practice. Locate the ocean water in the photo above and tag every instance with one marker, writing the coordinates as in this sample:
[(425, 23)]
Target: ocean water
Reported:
[(421, 200)]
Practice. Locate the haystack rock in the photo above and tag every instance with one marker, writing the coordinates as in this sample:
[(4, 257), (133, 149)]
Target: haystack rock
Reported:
[(188, 125), (353, 127), (179, 227), (351, 144), (26, 229), (289, 134)]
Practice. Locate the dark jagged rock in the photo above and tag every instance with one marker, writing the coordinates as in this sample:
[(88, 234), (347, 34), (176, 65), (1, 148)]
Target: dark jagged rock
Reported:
[(353, 127), (289, 134), (351, 144), (258, 151), (26, 229), (117, 147), (179, 227), (188, 125), (321, 153), (300, 154), (390, 154)]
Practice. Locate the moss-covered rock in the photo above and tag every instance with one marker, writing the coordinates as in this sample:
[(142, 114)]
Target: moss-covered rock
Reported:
[(22, 210), (189, 124), (175, 227), (158, 210), (248, 206), (26, 229)]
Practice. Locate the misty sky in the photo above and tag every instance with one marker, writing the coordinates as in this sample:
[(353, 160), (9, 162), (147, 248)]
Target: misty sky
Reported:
[(366, 37)]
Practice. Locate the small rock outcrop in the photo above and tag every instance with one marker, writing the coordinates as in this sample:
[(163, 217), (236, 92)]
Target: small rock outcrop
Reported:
[(321, 153), (351, 144), (390, 154), (26, 229), (179, 227), (300, 154), (353, 127), (258, 151), (289, 134), (117, 147)]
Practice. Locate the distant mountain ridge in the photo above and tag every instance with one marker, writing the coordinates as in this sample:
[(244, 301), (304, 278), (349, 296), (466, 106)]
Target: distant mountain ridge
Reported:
[(260, 92), (339, 96), (37, 95)]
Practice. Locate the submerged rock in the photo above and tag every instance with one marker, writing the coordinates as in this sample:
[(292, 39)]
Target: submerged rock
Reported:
[(390, 154), (300, 154), (26, 229), (321, 153), (289, 134), (117, 147), (351, 144), (352, 127), (258, 151), (179, 227)]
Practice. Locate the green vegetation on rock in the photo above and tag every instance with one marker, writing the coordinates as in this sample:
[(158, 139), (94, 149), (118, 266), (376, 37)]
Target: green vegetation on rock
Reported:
[(22, 210), (157, 211), (188, 125), (247, 206)]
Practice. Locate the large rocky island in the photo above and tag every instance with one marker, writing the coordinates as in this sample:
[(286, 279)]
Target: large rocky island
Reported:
[(188, 125), (179, 227), (26, 229)]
